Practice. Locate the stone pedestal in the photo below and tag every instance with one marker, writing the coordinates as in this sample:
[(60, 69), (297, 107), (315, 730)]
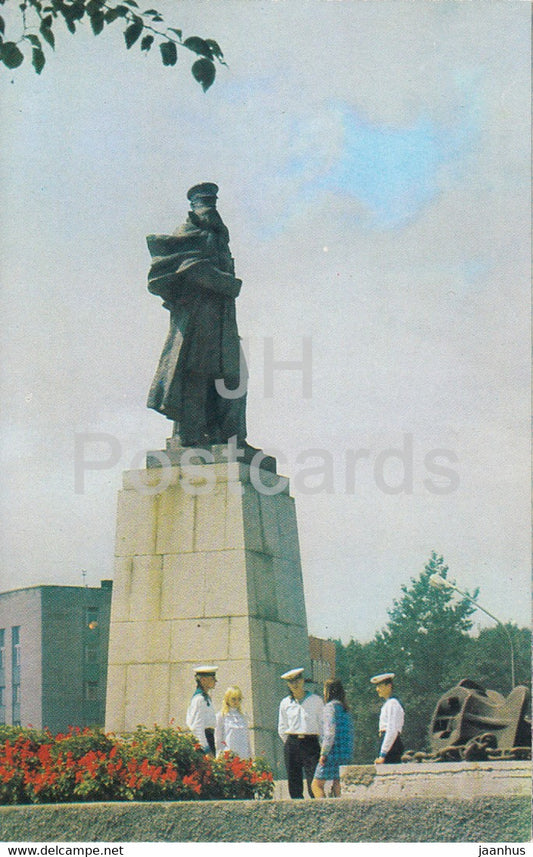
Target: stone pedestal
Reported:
[(207, 570)]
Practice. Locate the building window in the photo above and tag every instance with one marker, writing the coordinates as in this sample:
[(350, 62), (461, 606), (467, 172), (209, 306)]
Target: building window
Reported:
[(15, 637), (321, 671), (2, 648), (15, 675), (91, 655), (91, 691)]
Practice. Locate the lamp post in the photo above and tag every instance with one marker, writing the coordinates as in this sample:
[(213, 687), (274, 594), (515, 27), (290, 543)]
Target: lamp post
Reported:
[(440, 582)]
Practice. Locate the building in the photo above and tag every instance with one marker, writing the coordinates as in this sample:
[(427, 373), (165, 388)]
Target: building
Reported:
[(53, 655), (322, 659)]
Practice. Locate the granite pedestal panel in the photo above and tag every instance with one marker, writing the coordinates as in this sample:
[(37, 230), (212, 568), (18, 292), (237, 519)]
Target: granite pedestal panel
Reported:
[(207, 570)]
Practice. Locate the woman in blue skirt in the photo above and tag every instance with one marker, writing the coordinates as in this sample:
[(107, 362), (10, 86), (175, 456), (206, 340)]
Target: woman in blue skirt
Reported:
[(337, 742)]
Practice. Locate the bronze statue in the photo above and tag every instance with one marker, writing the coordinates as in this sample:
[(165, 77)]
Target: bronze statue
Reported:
[(201, 377)]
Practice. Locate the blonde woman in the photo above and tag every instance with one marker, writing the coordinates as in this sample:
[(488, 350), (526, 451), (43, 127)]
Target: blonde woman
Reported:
[(231, 728)]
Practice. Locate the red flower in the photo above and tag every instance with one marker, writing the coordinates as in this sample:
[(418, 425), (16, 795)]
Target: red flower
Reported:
[(43, 754), (192, 782), (170, 774)]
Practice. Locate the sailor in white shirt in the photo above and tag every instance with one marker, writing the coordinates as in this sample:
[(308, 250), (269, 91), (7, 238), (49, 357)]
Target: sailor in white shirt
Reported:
[(391, 720), (300, 729), (201, 716)]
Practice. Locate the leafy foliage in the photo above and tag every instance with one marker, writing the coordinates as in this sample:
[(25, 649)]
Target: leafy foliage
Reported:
[(427, 645), (89, 765), (426, 633), (488, 658), (37, 21)]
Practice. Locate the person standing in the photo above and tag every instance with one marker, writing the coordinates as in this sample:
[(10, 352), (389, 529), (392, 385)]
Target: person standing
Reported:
[(201, 718), (337, 742), (231, 728), (391, 720), (300, 729)]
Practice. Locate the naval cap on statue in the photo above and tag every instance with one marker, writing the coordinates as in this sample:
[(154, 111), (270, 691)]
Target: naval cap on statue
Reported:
[(205, 190)]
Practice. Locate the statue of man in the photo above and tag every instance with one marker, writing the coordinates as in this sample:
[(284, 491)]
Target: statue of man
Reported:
[(201, 377)]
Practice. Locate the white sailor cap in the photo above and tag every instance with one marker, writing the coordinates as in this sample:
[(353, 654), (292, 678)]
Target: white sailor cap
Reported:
[(377, 679), (290, 674), (205, 670)]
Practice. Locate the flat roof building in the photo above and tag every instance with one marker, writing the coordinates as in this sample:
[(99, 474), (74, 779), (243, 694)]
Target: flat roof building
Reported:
[(53, 655)]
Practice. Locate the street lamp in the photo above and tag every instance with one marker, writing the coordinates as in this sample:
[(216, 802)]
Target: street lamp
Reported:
[(440, 582)]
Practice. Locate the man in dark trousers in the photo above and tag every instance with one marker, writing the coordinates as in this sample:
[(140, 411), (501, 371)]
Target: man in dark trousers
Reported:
[(201, 715), (300, 729), (391, 719)]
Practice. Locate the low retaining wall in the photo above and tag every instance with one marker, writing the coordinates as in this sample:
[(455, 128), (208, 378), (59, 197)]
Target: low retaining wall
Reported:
[(487, 819), (463, 780)]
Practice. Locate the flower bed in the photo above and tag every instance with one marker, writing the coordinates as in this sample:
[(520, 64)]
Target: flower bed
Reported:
[(153, 765)]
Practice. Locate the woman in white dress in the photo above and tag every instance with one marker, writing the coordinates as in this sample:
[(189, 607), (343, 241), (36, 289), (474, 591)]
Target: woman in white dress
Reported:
[(231, 728)]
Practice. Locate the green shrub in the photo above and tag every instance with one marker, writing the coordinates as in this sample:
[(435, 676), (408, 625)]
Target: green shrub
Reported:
[(90, 765)]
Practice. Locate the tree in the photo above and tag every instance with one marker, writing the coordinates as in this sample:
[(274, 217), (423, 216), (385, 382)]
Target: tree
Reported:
[(487, 658), (424, 643), (36, 22), (426, 636)]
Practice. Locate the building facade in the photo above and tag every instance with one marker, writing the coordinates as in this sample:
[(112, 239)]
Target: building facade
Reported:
[(53, 655), (322, 659)]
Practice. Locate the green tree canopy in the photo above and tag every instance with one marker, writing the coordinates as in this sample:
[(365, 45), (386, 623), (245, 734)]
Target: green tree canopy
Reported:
[(426, 635), (33, 26), (424, 643), (487, 658)]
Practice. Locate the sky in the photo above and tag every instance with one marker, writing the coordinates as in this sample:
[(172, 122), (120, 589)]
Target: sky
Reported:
[(372, 158)]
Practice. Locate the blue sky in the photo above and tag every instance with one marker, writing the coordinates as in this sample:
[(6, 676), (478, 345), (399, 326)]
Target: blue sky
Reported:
[(393, 172), (376, 188)]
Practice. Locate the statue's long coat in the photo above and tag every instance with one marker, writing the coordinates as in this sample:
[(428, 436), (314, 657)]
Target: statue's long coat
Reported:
[(193, 271)]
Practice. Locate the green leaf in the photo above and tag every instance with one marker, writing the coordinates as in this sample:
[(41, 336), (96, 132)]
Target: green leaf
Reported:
[(34, 40), (132, 33), (204, 72), (47, 35), (2, 26), (169, 53), (199, 46), (132, 3), (11, 55), (178, 32), (97, 22), (38, 60), (151, 12), (146, 43), (215, 49)]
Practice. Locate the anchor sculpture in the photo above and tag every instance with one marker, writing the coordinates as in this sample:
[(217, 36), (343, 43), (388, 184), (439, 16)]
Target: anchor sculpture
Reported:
[(468, 713)]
